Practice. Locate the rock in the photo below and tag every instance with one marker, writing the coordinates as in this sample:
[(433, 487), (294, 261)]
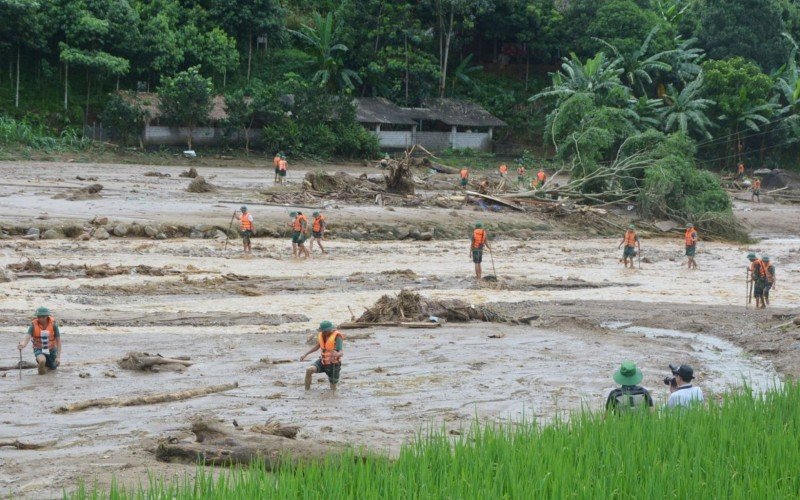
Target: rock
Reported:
[(4, 235), (426, 236), (32, 231), (797, 320), (150, 231), (51, 234), (6, 276), (99, 221), (195, 235), (414, 234), (161, 236), (120, 230), (357, 235), (101, 234), (218, 235), (31, 237), (84, 237), (203, 228)]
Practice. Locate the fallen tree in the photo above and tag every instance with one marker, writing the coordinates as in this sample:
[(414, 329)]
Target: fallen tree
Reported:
[(142, 361), (146, 400)]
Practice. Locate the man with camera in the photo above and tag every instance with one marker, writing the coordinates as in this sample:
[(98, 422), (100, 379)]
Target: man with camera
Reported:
[(681, 391)]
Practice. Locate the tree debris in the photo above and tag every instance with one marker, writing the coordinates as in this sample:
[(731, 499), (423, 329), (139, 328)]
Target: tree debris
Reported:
[(191, 173), (200, 185), (273, 428), (142, 361), (150, 399)]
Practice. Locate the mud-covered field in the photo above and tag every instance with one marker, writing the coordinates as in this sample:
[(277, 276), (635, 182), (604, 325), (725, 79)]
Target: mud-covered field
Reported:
[(247, 320)]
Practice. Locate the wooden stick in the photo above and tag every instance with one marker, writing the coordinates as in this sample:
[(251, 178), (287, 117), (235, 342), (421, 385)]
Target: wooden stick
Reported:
[(24, 446), (146, 400)]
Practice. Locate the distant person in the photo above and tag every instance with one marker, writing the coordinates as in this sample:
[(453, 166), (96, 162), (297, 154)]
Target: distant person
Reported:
[(740, 171), (690, 241), (758, 276), (480, 239), (331, 343), (318, 227), (756, 190), (283, 166), (521, 176), (246, 227), (629, 396), (464, 173), (276, 162), (631, 241), (770, 284), (45, 337), (299, 227), (503, 170), (681, 392), (541, 178)]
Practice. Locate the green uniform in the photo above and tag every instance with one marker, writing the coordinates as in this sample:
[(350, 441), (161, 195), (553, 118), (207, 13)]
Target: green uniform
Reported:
[(334, 370)]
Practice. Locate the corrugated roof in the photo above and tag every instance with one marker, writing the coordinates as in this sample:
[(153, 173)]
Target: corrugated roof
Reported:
[(380, 110), (464, 113), (149, 101)]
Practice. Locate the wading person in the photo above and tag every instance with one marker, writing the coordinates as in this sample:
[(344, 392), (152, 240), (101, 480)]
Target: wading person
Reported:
[(331, 343), (681, 392), (464, 177), (479, 240), (740, 171), (521, 176), (629, 396), (690, 241), (299, 227), (318, 226), (756, 191), (770, 282), (758, 275), (503, 170), (283, 166), (246, 228), (631, 242), (276, 162), (541, 178), (46, 339)]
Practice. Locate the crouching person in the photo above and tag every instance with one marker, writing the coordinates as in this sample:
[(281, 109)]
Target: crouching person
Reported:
[(331, 342), (46, 339)]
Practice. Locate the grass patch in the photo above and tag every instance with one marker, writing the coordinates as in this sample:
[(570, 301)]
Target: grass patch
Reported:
[(743, 446)]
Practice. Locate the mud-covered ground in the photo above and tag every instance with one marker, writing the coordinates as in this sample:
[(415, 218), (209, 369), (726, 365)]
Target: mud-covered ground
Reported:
[(235, 316)]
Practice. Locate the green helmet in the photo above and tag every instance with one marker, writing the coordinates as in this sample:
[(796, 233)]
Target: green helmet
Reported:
[(751, 256), (315, 214), (326, 326), (479, 224), (292, 214), (243, 208), (42, 312), (631, 226), (765, 258)]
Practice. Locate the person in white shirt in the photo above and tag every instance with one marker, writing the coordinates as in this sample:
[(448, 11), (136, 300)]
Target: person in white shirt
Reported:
[(681, 392)]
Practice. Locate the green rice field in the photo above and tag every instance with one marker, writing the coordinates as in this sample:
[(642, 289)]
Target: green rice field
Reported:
[(742, 446)]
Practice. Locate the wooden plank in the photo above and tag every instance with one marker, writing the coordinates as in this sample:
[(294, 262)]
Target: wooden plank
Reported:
[(496, 200)]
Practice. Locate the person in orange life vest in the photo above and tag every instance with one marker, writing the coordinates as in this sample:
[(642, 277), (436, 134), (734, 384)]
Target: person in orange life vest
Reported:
[(483, 187), (631, 242), (318, 226), (479, 240), (521, 176), (740, 171), (770, 284), (331, 343), (464, 177), (756, 190), (503, 170), (276, 162), (46, 339), (299, 227), (247, 229), (758, 275), (541, 177), (690, 241), (283, 165)]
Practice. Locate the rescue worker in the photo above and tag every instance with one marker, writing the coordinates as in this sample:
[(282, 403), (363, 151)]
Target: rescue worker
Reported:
[(318, 227), (503, 170), (483, 187), (740, 171), (541, 177), (756, 190), (521, 176), (276, 162), (283, 165), (631, 242), (758, 276), (770, 284), (690, 240), (330, 341), (246, 228), (464, 177), (299, 227), (479, 240), (46, 339)]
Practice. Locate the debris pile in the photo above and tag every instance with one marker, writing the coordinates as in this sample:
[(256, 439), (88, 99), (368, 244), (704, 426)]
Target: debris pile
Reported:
[(144, 362), (91, 192), (158, 174), (33, 268), (200, 185), (274, 428), (191, 173)]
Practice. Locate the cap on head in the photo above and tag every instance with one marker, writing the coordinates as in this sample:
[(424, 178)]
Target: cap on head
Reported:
[(751, 256), (243, 208), (42, 312), (765, 258), (292, 214), (690, 226), (631, 226), (628, 374), (315, 214), (685, 372), (326, 326), (479, 224)]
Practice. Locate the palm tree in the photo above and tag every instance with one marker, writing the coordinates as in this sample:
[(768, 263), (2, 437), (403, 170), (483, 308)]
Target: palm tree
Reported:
[(463, 71), (685, 111), (597, 76), (637, 67), (321, 37)]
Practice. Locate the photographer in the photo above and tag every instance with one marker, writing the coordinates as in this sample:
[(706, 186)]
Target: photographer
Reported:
[(681, 392), (630, 396)]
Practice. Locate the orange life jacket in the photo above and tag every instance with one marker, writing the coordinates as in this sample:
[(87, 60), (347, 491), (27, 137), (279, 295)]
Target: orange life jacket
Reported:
[(283, 165), (757, 184), (297, 225), (276, 161), (38, 332), (758, 269), (688, 237), (503, 168), (541, 176), (328, 346), (630, 238), (245, 224), (464, 173), (770, 275), (478, 238), (741, 168), (317, 225)]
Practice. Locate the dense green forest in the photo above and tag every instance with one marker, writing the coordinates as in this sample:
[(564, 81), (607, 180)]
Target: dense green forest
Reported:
[(574, 76)]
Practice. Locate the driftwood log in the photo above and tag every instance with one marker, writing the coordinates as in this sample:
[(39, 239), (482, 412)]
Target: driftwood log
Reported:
[(16, 443), (142, 361), (146, 400), (273, 428), (215, 445), (16, 366)]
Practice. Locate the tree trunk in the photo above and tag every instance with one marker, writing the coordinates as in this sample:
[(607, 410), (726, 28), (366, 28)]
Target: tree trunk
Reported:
[(405, 44), (66, 85), (527, 65), (249, 54), (88, 88), (247, 140), (16, 94), (189, 138), (224, 77), (447, 39)]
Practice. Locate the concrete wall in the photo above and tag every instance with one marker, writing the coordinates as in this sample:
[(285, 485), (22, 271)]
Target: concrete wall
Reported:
[(202, 136), (399, 139), (479, 141)]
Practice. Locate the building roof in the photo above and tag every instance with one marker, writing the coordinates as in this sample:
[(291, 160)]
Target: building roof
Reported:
[(458, 112), (380, 110), (149, 101)]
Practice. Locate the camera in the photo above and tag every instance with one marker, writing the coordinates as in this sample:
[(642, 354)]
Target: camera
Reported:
[(670, 381)]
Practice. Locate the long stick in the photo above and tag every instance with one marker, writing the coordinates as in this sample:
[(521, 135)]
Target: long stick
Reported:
[(146, 400), (491, 256), (639, 256), (228, 234), (749, 287), (20, 364)]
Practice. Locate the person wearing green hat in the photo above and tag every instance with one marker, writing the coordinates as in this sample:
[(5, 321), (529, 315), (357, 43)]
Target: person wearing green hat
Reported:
[(770, 281), (758, 276), (46, 339), (299, 227), (247, 229), (331, 343), (318, 227), (480, 239), (276, 162), (690, 241), (631, 242), (630, 395)]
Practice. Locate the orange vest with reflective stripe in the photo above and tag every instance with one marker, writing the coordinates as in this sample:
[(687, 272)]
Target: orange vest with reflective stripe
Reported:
[(297, 225), (276, 161), (541, 176), (464, 173), (630, 238), (49, 330), (246, 225), (687, 237), (478, 238), (317, 225), (283, 165), (503, 168), (328, 346)]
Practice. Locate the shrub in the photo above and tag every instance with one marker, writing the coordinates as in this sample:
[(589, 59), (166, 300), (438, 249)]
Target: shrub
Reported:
[(124, 118)]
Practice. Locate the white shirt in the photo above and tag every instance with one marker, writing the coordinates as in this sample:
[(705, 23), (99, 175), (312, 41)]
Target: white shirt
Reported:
[(684, 396)]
